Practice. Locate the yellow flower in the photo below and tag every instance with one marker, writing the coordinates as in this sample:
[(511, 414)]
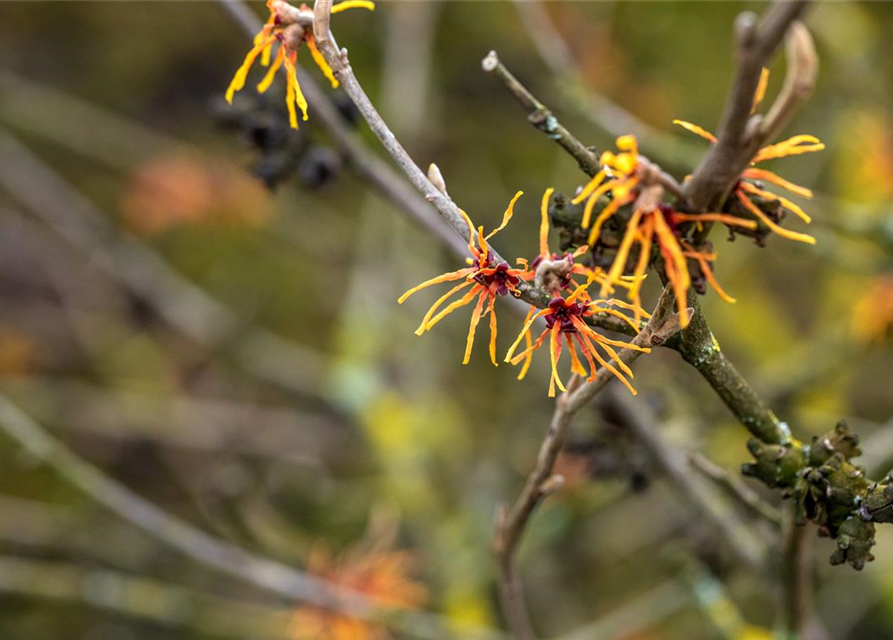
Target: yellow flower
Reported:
[(653, 223), (793, 146), (483, 279), (290, 26), (566, 325)]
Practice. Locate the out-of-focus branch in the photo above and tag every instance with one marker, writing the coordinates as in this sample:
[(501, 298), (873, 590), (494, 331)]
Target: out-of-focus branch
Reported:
[(167, 605), (741, 134), (747, 547), (795, 604), (511, 523), (137, 267), (262, 572), (576, 91), (541, 117), (735, 488)]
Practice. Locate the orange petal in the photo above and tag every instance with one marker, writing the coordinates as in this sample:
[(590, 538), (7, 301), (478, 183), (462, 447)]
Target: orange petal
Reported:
[(544, 224), (793, 146), (784, 233), (529, 351), (787, 204), (730, 220), (493, 331), (242, 73), (320, 61), (446, 277), (619, 264), (525, 330), (423, 326), (774, 178), (593, 199), (475, 318), (264, 84), (760, 93), (353, 4), (458, 304), (554, 355), (695, 129), (590, 187), (509, 212)]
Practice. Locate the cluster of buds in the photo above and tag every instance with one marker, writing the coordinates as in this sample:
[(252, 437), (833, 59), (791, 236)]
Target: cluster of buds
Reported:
[(828, 489)]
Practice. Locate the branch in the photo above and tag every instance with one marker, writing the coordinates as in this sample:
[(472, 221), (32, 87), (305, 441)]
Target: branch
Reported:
[(747, 547), (143, 599), (576, 91), (511, 523), (735, 488), (795, 604), (740, 135), (540, 117), (699, 347)]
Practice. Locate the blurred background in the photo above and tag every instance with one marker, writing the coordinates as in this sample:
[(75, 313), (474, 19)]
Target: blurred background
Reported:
[(202, 304)]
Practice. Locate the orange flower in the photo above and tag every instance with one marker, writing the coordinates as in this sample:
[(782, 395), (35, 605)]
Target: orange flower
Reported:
[(793, 146), (381, 576), (873, 313), (565, 324), (486, 280), (290, 26), (652, 223)]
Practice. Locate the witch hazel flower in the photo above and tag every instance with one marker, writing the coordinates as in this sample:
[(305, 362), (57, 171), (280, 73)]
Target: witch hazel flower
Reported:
[(484, 280), (653, 225), (289, 27)]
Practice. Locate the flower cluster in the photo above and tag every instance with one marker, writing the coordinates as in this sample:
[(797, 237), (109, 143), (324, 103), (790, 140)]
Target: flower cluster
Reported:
[(382, 576), (629, 179), (290, 27), (565, 317), (749, 184), (483, 279)]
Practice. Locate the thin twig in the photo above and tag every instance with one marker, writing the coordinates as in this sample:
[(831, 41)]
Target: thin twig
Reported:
[(739, 134), (795, 603), (511, 523), (168, 605), (541, 117), (137, 267), (577, 92), (735, 487)]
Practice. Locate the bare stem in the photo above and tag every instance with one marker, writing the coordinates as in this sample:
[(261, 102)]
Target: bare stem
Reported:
[(541, 117), (738, 135), (795, 605), (511, 523)]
